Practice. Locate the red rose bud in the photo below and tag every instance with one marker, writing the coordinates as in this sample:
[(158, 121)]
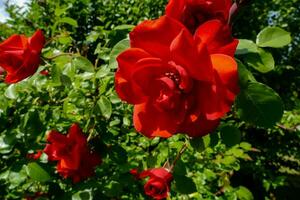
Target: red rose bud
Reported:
[(193, 13), (179, 83), (20, 56), (44, 73), (158, 185), (35, 156), (75, 159), (135, 173)]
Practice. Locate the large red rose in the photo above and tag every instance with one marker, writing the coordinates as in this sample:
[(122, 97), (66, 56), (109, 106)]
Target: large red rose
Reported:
[(20, 56), (75, 159), (193, 13), (175, 84), (158, 185)]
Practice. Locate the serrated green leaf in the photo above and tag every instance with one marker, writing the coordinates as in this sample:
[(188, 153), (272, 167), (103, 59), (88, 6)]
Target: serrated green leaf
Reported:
[(260, 105), (273, 37)]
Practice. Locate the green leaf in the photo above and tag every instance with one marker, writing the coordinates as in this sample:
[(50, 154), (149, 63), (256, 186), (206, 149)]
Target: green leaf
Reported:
[(244, 194), (83, 195), (105, 106), (273, 37), (245, 76), (113, 189), (198, 144), (117, 49), (37, 173), (68, 20), (83, 63), (184, 185), (230, 135), (7, 143), (262, 61), (65, 40), (246, 146), (11, 92), (245, 47), (260, 105)]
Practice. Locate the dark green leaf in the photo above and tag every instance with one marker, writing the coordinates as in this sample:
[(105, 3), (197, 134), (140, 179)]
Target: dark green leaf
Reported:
[(245, 76), (105, 106), (198, 144), (260, 105), (230, 135), (262, 61), (184, 185), (83, 195)]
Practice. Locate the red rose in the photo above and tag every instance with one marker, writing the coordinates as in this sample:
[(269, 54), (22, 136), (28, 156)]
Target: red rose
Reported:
[(158, 185), (75, 160), (35, 156), (173, 81), (20, 56), (44, 73), (193, 13)]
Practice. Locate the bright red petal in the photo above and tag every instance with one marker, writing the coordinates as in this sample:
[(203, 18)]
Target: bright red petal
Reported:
[(126, 90), (175, 8), (37, 41), (151, 122), (217, 36), (14, 42), (201, 127), (196, 61), (227, 69), (156, 36)]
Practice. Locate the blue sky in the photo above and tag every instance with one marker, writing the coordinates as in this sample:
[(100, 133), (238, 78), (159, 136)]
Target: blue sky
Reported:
[(3, 14)]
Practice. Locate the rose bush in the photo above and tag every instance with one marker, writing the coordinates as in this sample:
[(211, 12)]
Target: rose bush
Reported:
[(182, 70)]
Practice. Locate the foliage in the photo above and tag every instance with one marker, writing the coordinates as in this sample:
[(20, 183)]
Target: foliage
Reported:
[(252, 155)]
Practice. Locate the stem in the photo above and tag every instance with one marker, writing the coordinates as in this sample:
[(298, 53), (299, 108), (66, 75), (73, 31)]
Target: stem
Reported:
[(182, 150), (58, 55)]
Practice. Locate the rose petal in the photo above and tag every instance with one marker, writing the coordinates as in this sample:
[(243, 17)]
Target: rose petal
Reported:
[(217, 36), (155, 36), (196, 61)]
